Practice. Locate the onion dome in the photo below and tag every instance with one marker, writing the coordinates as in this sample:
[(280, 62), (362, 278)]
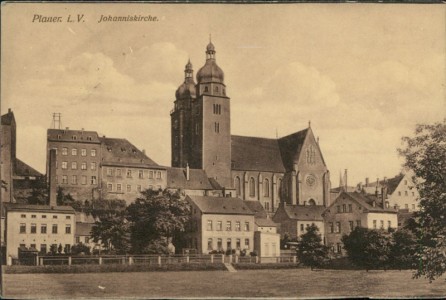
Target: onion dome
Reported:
[(187, 89), (210, 72)]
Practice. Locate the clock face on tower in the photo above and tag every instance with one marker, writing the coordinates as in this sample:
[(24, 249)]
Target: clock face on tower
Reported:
[(311, 180)]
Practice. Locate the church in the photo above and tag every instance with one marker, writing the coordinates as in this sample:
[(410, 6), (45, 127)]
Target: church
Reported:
[(285, 171)]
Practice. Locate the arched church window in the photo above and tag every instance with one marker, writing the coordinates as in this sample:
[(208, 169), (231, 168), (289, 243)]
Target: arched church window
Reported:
[(311, 202), (216, 89), (279, 190), (206, 89), (252, 187), (237, 186), (266, 188), (311, 155)]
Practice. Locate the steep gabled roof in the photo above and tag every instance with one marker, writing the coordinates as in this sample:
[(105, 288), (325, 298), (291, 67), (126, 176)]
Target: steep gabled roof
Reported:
[(255, 154), (304, 212), (391, 183), (265, 222), (198, 179), (366, 201), (122, 152), (291, 146), (221, 205), (257, 208), (23, 169)]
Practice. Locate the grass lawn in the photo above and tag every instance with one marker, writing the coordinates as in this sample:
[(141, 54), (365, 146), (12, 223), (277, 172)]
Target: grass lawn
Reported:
[(250, 283)]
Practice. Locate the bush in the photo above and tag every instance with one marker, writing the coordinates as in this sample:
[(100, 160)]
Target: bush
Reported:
[(253, 253)]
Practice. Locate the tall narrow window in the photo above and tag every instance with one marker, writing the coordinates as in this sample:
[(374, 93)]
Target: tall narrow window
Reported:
[(73, 165), (238, 186), (252, 187), (217, 127), (266, 188)]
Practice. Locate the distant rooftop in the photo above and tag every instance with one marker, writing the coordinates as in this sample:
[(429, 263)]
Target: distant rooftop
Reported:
[(221, 205)]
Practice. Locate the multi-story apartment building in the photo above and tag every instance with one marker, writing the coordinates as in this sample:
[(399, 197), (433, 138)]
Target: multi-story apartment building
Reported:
[(351, 210), (289, 169), (220, 223)]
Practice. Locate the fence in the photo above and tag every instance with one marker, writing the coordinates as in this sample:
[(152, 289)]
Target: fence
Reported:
[(159, 259)]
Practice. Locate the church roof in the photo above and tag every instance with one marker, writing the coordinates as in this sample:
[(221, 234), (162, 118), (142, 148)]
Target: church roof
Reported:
[(256, 154), (221, 205), (198, 179), (122, 152), (22, 169), (8, 119), (290, 147)]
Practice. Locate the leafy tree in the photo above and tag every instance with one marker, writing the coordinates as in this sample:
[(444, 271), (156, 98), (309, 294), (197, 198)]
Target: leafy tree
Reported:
[(113, 232), (102, 207), (367, 248), (62, 198), (425, 155), (403, 249), (311, 252), (39, 192), (80, 248), (155, 217)]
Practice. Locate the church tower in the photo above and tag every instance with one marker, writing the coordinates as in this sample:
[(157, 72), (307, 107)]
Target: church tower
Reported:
[(211, 120), (181, 119)]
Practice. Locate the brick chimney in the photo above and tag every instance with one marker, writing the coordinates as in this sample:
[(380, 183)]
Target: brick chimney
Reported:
[(52, 178), (384, 195)]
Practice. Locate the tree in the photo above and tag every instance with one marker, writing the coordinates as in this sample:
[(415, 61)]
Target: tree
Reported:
[(113, 232), (80, 248), (39, 192), (425, 155), (102, 207), (311, 252), (403, 249), (367, 248), (155, 217), (62, 198)]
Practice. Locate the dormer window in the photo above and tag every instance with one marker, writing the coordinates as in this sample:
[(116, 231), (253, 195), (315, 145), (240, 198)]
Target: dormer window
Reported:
[(74, 137), (88, 138)]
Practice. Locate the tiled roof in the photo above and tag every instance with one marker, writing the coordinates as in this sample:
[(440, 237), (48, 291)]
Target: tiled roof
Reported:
[(8, 119), (122, 152), (198, 179), (257, 208), (290, 147), (267, 222), (74, 136), (37, 208), (83, 229), (215, 184), (391, 183), (221, 205), (367, 202), (22, 169), (339, 189), (255, 154), (305, 212)]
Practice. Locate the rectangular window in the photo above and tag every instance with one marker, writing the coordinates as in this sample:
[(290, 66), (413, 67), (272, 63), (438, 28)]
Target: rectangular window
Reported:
[(68, 217), (331, 227), (74, 151), (93, 152), (338, 227), (119, 187), (43, 249), (219, 226), (389, 224), (140, 174), (73, 165), (129, 173), (54, 217), (33, 216), (302, 228), (68, 229), (43, 216), (209, 227), (158, 175), (406, 193), (67, 248), (109, 172), (350, 208), (413, 206), (374, 224), (138, 188), (118, 172), (23, 216), (93, 180), (74, 179), (406, 206), (344, 208), (83, 152), (399, 193), (78, 239), (228, 226), (219, 244), (64, 151), (87, 240), (358, 223), (228, 243), (33, 228), (54, 231), (110, 187), (237, 244), (247, 243), (382, 224), (64, 165), (43, 228), (210, 246), (64, 179), (339, 208), (93, 166), (84, 179), (339, 247), (351, 224), (22, 228), (237, 226), (84, 166), (246, 226), (150, 174), (129, 188)]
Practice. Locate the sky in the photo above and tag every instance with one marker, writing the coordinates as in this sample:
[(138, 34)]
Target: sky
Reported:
[(363, 74)]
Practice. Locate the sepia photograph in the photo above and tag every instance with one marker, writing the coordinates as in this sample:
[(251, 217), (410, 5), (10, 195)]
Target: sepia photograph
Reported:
[(223, 150)]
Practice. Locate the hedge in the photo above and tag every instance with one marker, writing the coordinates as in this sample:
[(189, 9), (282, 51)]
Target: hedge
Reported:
[(114, 268)]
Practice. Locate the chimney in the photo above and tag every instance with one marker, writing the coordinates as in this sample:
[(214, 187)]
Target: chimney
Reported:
[(384, 194), (187, 171), (366, 182), (376, 189), (52, 177), (144, 151), (9, 110)]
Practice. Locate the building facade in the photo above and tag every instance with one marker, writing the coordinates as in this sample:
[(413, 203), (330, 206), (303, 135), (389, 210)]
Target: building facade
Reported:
[(220, 224), (289, 169), (351, 210), (38, 227)]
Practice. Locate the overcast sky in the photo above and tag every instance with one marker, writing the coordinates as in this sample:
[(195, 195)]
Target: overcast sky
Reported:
[(364, 75)]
